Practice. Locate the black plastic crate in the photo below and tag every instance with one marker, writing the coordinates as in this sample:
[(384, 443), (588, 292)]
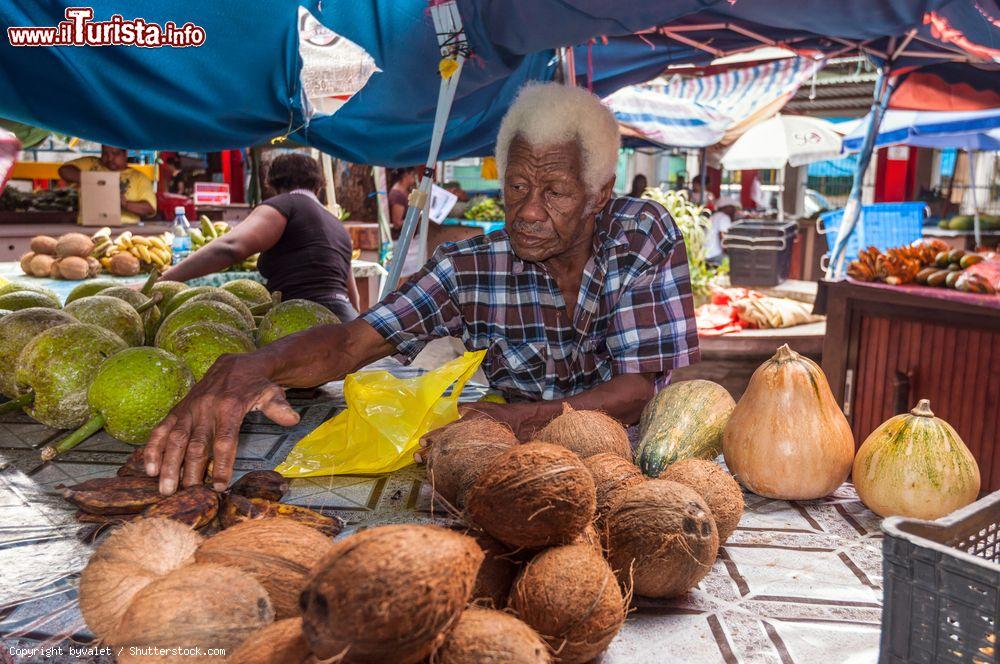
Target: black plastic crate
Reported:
[(942, 587), (760, 252)]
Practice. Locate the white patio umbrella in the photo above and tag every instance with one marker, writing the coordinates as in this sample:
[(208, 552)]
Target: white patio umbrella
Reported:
[(793, 140)]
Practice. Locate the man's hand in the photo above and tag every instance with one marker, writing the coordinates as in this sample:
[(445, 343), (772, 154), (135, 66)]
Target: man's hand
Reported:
[(524, 419), (206, 423)]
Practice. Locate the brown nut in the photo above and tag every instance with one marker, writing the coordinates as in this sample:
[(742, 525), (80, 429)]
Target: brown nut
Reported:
[(44, 244)]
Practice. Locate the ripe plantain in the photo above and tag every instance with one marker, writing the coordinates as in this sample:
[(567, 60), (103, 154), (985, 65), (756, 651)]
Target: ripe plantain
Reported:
[(135, 464), (194, 506), (114, 495), (266, 484), (237, 509)]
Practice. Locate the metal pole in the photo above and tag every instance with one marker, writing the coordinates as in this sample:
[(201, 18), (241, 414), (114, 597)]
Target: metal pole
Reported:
[(781, 193), (971, 156), (448, 24), (852, 211), (704, 176)]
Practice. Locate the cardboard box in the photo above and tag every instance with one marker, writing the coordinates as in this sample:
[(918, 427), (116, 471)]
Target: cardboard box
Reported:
[(100, 199)]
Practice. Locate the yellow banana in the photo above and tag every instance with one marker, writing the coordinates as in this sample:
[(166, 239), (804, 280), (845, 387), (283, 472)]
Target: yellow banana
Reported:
[(106, 263), (157, 242), (144, 254), (139, 239)]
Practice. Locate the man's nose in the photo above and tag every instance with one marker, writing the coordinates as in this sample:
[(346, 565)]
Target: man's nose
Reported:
[(533, 208)]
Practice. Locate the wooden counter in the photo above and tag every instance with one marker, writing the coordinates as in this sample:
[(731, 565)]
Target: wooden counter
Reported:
[(888, 346)]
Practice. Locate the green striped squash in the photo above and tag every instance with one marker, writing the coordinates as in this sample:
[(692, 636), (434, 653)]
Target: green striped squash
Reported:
[(683, 421), (915, 465)]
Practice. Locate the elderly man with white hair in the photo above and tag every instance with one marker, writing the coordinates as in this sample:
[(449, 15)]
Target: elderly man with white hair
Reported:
[(582, 298)]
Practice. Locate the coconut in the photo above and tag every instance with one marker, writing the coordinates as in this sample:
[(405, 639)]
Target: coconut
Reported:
[(591, 538), (587, 432), (41, 265), (570, 596), (74, 244), (457, 453), (74, 268), (44, 244), (428, 571), (123, 264), (26, 262), (496, 574), (612, 475), (720, 491), (534, 495), (484, 636), (278, 552), (197, 606), (93, 266), (662, 537), (280, 642), (131, 558)]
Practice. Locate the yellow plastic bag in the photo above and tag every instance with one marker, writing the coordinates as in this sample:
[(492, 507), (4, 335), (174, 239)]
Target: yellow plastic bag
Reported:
[(383, 422)]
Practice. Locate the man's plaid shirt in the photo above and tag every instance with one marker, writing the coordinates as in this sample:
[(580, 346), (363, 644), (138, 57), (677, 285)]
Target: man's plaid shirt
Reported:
[(634, 312)]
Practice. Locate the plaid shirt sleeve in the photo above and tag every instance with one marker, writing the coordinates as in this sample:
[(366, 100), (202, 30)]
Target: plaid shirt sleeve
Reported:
[(653, 328), (421, 309)]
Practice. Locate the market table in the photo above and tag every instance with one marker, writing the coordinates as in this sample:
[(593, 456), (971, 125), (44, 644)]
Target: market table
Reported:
[(797, 582)]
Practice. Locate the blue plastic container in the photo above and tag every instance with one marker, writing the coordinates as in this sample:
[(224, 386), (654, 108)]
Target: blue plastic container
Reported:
[(882, 225)]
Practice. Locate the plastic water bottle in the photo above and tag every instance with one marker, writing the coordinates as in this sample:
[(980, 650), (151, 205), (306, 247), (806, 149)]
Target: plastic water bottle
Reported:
[(181, 245)]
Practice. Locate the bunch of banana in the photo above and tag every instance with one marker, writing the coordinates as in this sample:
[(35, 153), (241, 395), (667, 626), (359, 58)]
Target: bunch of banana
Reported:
[(209, 230), (151, 251)]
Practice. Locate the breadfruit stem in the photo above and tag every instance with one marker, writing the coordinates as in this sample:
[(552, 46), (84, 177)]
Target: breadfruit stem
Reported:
[(147, 287), (17, 404), (150, 303), (89, 428)]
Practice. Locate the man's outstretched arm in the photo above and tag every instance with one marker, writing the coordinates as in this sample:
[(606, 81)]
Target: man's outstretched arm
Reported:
[(206, 423)]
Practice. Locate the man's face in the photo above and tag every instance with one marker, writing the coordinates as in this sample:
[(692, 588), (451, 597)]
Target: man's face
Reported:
[(114, 158), (548, 207)]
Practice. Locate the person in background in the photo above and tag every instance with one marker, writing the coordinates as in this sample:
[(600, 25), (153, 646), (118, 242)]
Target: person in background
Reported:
[(137, 196), (639, 185), (721, 220), (679, 183), (305, 252), (702, 197), (455, 187), (405, 179)]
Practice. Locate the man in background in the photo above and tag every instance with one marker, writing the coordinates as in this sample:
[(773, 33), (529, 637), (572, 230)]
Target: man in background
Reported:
[(137, 196), (721, 220)]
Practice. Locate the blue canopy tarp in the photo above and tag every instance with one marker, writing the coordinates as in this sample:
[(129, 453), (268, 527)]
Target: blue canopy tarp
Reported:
[(970, 130), (242, 86)]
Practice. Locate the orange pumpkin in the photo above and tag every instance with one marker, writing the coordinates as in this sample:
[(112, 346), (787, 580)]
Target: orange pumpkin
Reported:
[(787, 437)]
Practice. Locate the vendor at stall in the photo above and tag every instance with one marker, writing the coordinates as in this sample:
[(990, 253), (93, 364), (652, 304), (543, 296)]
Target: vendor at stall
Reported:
[(404, 180), (305, 251), (582, 299), (138, 198)]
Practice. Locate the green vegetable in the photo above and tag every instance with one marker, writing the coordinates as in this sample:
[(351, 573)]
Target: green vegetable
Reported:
[(683, 421)]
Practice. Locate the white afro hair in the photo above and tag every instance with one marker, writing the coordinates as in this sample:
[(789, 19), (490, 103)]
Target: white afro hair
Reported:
[(551, 113)]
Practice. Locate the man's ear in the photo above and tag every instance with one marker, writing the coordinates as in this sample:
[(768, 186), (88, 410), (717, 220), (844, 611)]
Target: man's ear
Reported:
[(605, 193)]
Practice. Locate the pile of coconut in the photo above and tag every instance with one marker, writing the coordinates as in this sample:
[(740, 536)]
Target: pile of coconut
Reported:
[(561, 532)]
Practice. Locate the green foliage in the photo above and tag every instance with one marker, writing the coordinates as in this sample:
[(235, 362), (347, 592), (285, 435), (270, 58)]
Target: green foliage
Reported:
[(693, 222), (484, 208)]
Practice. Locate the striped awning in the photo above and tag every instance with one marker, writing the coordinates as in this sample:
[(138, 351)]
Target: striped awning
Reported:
[(695, 112)]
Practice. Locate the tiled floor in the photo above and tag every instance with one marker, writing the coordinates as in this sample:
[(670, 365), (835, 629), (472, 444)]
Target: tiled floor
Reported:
[(796, 583)]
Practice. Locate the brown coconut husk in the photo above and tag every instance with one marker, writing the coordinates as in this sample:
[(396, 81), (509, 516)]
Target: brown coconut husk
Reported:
[(484, 636), (570, 596), (457, 453), (587, 432), (535, 495), (612, 475), (496, 574), (278, 552), (662, 538), (719, 489), (390, 594), (281, 642), (131, 558), (591, 538), (197, 606)]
